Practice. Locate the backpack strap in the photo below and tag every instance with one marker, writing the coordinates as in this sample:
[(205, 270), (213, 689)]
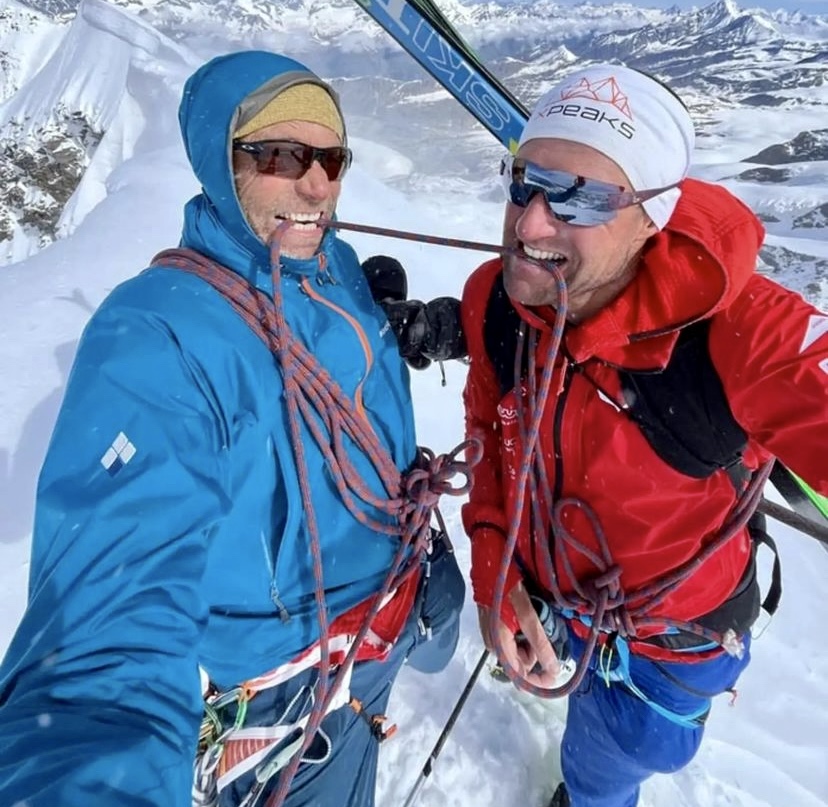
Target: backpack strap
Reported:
[(682, 410), (501, 326), (757, 527), (684, 413)]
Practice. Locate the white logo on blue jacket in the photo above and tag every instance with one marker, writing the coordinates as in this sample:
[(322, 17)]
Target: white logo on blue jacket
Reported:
[(118, 454)]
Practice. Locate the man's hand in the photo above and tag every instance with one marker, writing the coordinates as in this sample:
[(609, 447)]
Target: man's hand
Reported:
[(444, 339), (425, 332), (532, 656)]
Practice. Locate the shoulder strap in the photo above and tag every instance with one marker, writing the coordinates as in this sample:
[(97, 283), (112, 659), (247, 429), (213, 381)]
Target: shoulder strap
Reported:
[(684, 413), (758, 532), (501, 325)]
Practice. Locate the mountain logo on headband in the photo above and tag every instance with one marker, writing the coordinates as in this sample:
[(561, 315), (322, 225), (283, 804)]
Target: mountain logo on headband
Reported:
[(605, 91)]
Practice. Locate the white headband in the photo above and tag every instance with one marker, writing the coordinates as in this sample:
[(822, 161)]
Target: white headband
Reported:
[(630, 118)]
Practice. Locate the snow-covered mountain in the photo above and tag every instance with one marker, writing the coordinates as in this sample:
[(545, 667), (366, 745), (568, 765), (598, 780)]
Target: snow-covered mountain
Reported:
[(67, 68)]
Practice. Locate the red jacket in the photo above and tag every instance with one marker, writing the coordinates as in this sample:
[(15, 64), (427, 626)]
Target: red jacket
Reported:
[(770, 349)]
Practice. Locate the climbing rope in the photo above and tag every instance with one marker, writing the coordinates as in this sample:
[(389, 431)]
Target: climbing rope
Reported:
[(601, 600), (315, 400)]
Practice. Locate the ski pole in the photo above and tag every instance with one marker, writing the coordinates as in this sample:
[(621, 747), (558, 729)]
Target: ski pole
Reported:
[(795, 520), (438, 746)]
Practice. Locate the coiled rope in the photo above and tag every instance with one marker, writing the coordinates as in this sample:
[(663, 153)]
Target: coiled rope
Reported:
[(313, 398), (601, 599)]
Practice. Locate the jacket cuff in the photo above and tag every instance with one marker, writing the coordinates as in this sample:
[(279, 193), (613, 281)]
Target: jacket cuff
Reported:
[(487, 546)]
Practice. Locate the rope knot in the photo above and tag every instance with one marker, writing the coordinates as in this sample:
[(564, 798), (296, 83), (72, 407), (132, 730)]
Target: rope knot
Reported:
[(609, 582), (431, 475), (606, 601), (429, 478)]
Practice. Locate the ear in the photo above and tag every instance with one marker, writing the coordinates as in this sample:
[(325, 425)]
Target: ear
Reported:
[(650, 228)]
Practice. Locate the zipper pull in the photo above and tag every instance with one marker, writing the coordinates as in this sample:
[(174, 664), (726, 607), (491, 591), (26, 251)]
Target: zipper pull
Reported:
[(566, 369), (323, 275)]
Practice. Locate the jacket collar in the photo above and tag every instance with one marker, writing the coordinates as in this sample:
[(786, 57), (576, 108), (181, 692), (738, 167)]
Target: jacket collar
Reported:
[(204, 232)]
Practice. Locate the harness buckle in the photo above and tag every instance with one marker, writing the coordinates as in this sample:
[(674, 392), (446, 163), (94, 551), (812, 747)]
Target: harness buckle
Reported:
[(375, 722), (377, 728)]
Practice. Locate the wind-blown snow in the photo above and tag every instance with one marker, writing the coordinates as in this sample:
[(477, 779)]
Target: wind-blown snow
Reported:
[(769, 749)]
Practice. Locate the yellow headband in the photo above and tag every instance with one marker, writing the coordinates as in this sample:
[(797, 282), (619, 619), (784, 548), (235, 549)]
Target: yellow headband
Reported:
[(305, 102)]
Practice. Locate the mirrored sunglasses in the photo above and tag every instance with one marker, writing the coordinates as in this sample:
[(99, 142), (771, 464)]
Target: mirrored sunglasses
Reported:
[(570, 198), (289, 159)]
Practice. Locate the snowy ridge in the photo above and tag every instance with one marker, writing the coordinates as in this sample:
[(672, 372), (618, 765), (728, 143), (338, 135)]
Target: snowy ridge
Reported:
[(73, 77), (69, 109), (727, 63), (27, 37)]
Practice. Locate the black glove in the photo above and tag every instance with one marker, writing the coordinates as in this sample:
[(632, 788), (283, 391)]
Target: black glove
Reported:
[(443, 338), (425, 332), (386, 278), (408, 321)]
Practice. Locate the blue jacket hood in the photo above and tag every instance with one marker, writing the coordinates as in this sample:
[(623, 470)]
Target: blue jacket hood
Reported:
[(214, 222)]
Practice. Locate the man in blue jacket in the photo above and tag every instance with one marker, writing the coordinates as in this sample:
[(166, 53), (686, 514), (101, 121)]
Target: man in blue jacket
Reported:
[(231, 540)]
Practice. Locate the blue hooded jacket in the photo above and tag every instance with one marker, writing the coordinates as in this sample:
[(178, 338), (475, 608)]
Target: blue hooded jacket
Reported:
[(169, 529)]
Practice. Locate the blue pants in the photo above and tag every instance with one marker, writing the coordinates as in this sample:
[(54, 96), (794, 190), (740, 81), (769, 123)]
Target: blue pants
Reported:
[(345, 774), (614, 740)]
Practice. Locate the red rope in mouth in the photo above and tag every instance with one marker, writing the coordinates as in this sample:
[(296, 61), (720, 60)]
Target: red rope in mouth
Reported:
[(537, 403), (404, 235)]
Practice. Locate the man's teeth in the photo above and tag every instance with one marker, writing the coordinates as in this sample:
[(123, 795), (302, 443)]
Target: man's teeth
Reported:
[(302, 221), (543, 255)]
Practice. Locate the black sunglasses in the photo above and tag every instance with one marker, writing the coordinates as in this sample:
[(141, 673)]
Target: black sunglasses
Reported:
[(287, 158)]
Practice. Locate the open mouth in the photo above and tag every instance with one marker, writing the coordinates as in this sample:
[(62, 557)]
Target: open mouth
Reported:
[(301, 221)]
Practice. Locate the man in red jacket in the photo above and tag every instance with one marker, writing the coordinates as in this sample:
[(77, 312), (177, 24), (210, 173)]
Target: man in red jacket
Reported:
[(614, 256)]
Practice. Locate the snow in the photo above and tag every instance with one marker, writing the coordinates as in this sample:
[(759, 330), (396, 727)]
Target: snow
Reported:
[(769, 749)]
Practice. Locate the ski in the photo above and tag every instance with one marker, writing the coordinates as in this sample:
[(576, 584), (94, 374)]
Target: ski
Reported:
[(819, 502), (804, 501), (423, 31), (420, 28)]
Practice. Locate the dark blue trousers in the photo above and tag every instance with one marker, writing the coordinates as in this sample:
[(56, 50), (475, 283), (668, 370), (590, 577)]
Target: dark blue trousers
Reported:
[(345, 767), (614, 740)]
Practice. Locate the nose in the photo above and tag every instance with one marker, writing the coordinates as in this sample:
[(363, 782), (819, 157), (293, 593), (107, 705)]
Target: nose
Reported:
[(314, 184), (537, 221)]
